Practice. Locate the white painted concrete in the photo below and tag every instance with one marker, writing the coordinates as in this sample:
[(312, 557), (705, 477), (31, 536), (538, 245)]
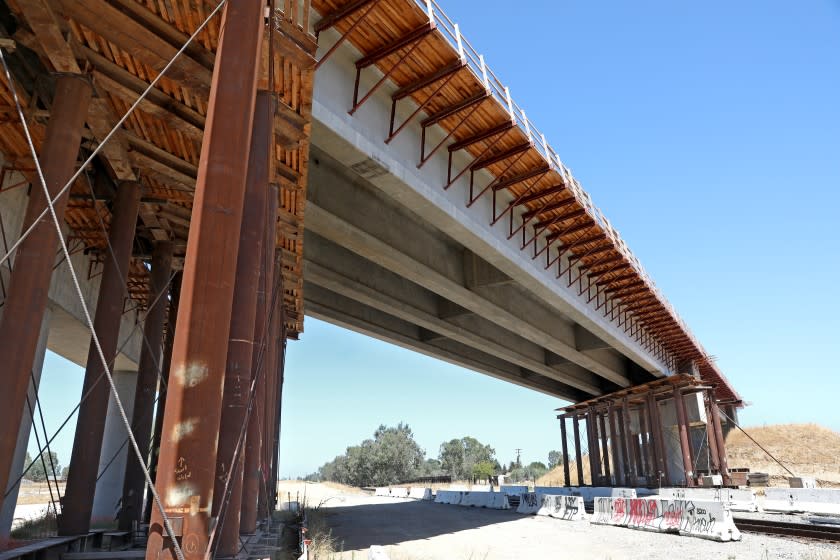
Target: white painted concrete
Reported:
[(570, 508), (114, 455), (738, 500), (451, 497), (587, 493), (825, 501), (490, 500)]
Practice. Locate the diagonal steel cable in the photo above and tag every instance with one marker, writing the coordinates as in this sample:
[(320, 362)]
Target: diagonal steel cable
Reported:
[(113, 131), (88, 319)]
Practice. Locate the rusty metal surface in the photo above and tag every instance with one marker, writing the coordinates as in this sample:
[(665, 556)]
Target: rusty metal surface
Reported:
[(147, 382), (252, 240), (187, 462), (87, 445), (29, 287)]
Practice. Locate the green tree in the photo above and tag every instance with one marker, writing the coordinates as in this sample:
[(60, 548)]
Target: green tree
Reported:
[(38, 472), (483, 470), (459, 456), (554, 458), (390, 457)]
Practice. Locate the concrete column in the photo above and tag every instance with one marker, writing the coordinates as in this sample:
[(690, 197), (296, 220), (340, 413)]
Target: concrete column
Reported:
[(7, 514), (237, 391), (605, 446), (28, 290), (578, 458), (187, 463), (114, 455), (147, 381), (566, 478), (685, 443), (87, 445)]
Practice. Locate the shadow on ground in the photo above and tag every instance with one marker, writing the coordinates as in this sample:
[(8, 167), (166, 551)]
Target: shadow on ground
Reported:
[(361, 526)]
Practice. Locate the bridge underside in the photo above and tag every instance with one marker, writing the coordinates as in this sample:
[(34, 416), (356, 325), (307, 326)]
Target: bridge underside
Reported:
[(172, 141)]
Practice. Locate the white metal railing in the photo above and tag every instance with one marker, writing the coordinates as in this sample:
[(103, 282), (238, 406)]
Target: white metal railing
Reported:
[(477, 65)]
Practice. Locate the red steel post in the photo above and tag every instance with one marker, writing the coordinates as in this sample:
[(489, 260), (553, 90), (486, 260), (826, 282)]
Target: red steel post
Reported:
[(564, 443), (616, 446), (720, 440), (685, 444), (87, 445), (227, 506), (578, 458), (147, 381), (629, 444), (711, 438), (187, 462), (605, 445), (659, 441), (171, 322), (33, 263)]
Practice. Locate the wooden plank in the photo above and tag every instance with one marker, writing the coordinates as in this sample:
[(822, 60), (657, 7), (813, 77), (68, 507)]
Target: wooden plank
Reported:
[(44, 24)]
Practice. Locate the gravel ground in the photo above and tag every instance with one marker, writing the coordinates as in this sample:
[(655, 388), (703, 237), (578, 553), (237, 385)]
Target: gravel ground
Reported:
[(413, 530)]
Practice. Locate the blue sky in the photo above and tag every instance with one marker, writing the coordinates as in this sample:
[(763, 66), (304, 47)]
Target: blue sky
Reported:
[(709, 133)]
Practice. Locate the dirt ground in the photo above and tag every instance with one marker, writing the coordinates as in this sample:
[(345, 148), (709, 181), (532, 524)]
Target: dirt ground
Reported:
[(415, 530)]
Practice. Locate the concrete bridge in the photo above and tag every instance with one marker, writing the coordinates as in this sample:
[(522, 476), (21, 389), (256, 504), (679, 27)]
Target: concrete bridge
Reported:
[(372, 172)]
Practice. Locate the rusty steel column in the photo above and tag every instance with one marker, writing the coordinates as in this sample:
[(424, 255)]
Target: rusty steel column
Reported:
[(711, 438), (278, 361), (618, 454), (187, 462), (566, 478), (659, 441), (629, 450), (251, 478), (594, 447), (578, 458), (87, 445), (685, 444), (33, 263), (720, 441), (647, 461), (171, 321), (606, 446), (227, 496), (157, 303)]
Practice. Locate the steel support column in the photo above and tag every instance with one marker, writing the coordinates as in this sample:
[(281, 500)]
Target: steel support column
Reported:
[(171, 323), (566, 478), (711, 438), (685, 443), (658, 442), (606, 447), (90, 426), (187, 463), (147, 381), (647, 460), (594, 447), (578, 458), (227, 496), (720, 441), (627, 437), (33, 263)]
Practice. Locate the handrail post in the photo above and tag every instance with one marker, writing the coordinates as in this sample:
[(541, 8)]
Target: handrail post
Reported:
[(510, 104), (430, 10), (460, 43), (484, 72)]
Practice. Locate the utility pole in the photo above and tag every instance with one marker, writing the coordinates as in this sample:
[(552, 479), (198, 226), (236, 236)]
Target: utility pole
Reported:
[(518, 453)]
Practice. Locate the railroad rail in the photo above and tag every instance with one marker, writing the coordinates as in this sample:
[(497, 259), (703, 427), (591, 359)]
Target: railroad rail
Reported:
[(829, 533)]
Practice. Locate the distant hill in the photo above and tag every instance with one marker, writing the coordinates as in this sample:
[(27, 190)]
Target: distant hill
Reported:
[(806, 449)]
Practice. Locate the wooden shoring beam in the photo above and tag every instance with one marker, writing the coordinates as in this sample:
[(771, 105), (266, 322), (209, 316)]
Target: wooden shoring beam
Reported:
[(632, 292), (443, 76), (595, 251), (580, 227), (513, 161), (617, 268), (500, 157), (577, 213), (512, 204), (617, 279), (336, 17), (551, 238), (584, 241), (410, 41), (499, 135), (481, 136), (520, 178), (407, 40), (472, 103), (452, 110), (554, 189), (635, 284), (601, 262)]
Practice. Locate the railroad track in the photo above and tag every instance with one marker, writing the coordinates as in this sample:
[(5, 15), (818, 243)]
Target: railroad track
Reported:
[(781, 528)]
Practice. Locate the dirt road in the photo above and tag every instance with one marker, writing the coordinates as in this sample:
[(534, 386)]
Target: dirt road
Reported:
[(414, 530)]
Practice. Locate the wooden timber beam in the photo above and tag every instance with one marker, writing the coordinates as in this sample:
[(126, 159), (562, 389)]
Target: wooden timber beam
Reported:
[(139, 41), (577, 213), (554, 189), (454, 109), (616, 279), (481, 136), (507, 154), (549, 207), (574, 229), (339, 15), (390, 48), (426, 81), (617, 258), (521, 177), (635, 284)]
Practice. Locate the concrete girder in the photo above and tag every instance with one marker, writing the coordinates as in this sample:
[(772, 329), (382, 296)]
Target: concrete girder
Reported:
[(384, 290), (344, 312), (418, 255)]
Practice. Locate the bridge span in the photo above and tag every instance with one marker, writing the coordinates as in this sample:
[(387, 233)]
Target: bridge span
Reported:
[(218, 169)]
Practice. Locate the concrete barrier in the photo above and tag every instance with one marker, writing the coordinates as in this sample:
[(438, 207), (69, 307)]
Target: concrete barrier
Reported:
[(824, 501), (399, 492), (377, 553), (512, 490), (452, 497), (738, 500), (489, 500), (570, 508), (587, 493), (529, 503), (386, 492), (420, 493), (704, 519)]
